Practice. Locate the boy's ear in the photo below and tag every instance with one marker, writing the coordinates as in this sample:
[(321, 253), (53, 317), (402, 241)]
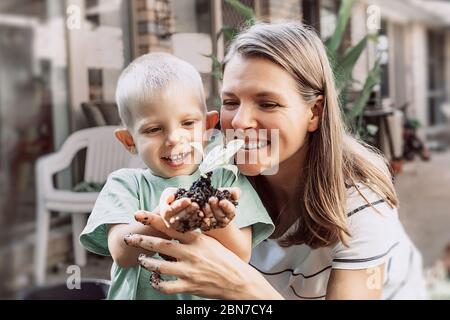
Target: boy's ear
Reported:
[(316, 110), (212, 117), (125, 137)]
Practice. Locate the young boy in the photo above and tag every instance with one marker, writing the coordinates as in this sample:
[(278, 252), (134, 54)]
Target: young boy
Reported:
[(162, 105)]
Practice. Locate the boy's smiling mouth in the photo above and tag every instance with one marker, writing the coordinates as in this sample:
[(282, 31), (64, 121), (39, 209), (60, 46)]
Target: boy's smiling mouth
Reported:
[(178, 159)]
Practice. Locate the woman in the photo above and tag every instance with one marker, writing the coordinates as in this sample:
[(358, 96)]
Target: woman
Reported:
[(332, 199)]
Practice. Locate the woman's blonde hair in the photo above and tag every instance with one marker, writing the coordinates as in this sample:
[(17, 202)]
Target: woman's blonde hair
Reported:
[(334, 158)]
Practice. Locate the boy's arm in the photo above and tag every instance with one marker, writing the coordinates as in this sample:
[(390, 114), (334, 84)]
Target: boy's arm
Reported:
[(124, 255), (237, 240), (234, 239)]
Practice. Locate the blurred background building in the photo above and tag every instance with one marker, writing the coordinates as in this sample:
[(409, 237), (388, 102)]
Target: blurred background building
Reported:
[(60, 61)]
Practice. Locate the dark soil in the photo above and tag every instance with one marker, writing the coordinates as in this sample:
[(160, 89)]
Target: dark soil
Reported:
[(200, 192)]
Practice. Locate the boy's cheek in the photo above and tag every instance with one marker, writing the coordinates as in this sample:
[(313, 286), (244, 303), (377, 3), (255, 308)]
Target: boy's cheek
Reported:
[(197, 134)]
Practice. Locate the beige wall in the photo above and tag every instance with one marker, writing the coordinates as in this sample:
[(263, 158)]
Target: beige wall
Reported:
[(284, 10), (358, 31), (78, 75), (418, 48), (447, 63)]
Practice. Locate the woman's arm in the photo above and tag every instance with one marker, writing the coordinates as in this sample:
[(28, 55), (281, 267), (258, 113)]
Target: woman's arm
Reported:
[(362, 284), (204, 267)]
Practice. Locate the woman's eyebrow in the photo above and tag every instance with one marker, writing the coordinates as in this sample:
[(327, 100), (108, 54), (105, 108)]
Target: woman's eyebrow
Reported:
[(264, 94), (229, 94), (261, 94)]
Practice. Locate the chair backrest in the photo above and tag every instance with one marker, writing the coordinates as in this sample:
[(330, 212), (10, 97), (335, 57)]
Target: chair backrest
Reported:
[(101, 113), (104, 154)]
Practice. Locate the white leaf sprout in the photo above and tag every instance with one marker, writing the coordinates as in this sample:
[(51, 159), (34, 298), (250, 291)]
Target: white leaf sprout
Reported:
[(219, 157)]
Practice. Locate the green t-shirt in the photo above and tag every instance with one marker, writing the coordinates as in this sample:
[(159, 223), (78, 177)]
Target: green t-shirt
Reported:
[(129, 190)]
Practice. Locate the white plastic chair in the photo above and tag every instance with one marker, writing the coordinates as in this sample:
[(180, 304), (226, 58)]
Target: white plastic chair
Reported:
[(104, 155)]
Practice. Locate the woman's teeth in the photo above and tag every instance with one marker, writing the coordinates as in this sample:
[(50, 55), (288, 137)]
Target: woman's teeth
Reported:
[(255, 145)]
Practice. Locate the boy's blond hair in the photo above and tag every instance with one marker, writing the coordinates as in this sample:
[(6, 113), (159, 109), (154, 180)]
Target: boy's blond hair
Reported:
[(147, 76)]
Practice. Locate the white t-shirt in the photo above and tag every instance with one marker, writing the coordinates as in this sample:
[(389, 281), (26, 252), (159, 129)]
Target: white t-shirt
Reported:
[(300, 272)]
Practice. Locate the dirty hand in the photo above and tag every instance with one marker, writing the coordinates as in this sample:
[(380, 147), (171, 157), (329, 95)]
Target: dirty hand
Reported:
[(181, 214), (218, 214)]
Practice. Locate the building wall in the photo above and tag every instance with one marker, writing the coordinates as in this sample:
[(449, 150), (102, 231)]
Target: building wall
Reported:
[(153, 25), (110, 75), (358, 31), (447, 62), (275, 10), (417, 44)]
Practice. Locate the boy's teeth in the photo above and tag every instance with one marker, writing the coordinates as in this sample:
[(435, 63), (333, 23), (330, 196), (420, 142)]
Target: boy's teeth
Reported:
[(255, 145), (177, 157)]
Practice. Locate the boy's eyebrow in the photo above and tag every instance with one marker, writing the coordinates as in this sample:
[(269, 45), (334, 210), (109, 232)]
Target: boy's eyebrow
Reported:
[(146, 122), (189, 114)]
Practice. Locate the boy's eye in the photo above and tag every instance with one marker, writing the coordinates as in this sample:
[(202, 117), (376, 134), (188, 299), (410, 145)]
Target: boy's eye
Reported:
[(188, 123), (153, 130)]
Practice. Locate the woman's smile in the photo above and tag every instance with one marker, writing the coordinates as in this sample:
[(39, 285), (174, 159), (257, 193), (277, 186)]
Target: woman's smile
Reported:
[(256, 145)]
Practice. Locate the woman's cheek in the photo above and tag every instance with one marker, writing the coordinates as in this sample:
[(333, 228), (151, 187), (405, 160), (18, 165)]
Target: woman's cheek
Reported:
[(226, 117)]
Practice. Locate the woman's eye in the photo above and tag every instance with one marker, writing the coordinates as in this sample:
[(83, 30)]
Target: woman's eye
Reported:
[(269, 105), (230, 104)]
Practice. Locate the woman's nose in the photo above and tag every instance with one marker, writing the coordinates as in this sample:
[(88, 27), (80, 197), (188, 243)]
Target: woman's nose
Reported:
[(244, 118)]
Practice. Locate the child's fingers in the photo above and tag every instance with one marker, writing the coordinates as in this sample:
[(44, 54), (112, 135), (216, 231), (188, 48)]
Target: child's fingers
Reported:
[(173, 209), (174, 212), (207, 210), (217, 211), (214, 203), (187, 211), (167, 197), (179, 205), (234, 191), (228, 208), (208, 214), (142, 215)]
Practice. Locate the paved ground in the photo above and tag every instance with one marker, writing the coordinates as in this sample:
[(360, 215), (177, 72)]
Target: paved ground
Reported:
[(424, 191)]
